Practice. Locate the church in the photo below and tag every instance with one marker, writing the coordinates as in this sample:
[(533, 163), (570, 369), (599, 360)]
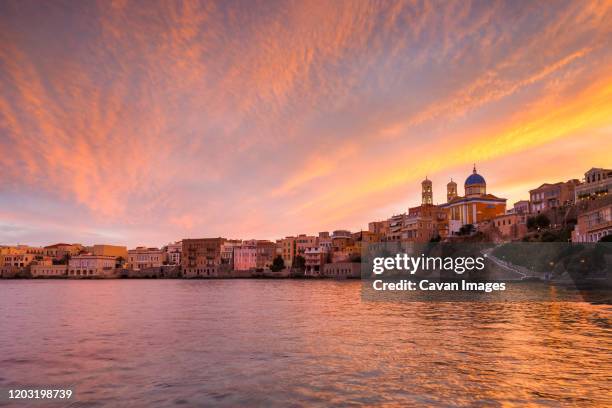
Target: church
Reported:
[(475, 206)]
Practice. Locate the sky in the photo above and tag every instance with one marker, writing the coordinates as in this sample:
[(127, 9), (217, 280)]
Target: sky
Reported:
[(141, 123)]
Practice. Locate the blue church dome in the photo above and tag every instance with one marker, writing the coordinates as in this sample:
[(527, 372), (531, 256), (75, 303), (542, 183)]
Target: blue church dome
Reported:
[(474, 178)]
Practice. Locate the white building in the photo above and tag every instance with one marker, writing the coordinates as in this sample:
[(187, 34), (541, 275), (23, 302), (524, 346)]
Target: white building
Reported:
[(173, 252)]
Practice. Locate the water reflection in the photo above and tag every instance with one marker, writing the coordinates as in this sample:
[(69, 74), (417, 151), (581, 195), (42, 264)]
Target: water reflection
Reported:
[(166, 343)]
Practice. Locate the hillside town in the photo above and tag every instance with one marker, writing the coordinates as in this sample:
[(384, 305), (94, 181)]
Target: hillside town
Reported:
[(562, 211)]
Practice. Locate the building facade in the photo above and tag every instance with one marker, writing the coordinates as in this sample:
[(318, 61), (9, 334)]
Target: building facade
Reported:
[(597, 183), (304, 242), (286, 248), (315, 259), (116, 251), (522, 207), (511, 226), (201, 257), (342, 270), (84, 265), (143, 258), (61, 251), (42, 271), (593, 225), (549, 196), (254, 254), (173, 253), (18, 260)]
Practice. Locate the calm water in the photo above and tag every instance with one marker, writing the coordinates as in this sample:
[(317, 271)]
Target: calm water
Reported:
[(259, 342)]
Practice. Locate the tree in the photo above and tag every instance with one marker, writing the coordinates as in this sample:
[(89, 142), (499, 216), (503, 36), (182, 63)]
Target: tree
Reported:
[(606, 238), (531, 223), (299, 262), (278, 264), (467, 229), (542, 221)]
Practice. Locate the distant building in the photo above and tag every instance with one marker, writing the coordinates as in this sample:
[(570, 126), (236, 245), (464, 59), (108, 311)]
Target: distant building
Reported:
[(49, 270), (201, 257), (379, 227), (227, 252), (315, 259), (286, 248), (60, 250), (593, 225), (342, 270), (254, 254), (522, 207), (549, 196), (423, 223), (394, 230), (475, 207), (18, 260), (511, 226), (304, 242), (116, 251), (91, 266), (173, 253), (597, 183), (144, 258)]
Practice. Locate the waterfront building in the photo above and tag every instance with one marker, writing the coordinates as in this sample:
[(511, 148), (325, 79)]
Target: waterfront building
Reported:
[(18, 260), (342, 270), (326, 242), (254, 254), (173, 252), (597, 183), (87, 265), (304, 242), (201, 257), (286, 248), (144, 258), (315, 259), (475, 206), (549, 196), (593, 225), (41, 270), (227, 252)]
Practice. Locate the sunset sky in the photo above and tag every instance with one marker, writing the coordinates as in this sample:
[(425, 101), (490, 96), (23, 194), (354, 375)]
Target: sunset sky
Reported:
[(138, 123)]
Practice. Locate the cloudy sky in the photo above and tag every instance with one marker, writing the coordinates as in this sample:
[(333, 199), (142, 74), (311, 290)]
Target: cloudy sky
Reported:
[(140, 123)]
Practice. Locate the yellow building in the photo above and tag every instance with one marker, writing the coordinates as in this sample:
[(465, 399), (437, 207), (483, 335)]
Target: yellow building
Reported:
[(475, 206), (110, 250)]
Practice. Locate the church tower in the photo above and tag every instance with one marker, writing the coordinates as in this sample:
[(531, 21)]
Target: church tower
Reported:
[(451, 191), (427, 193)]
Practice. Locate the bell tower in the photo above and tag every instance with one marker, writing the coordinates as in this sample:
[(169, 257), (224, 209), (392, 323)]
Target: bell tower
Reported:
[(427, 194), (451, 191)]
